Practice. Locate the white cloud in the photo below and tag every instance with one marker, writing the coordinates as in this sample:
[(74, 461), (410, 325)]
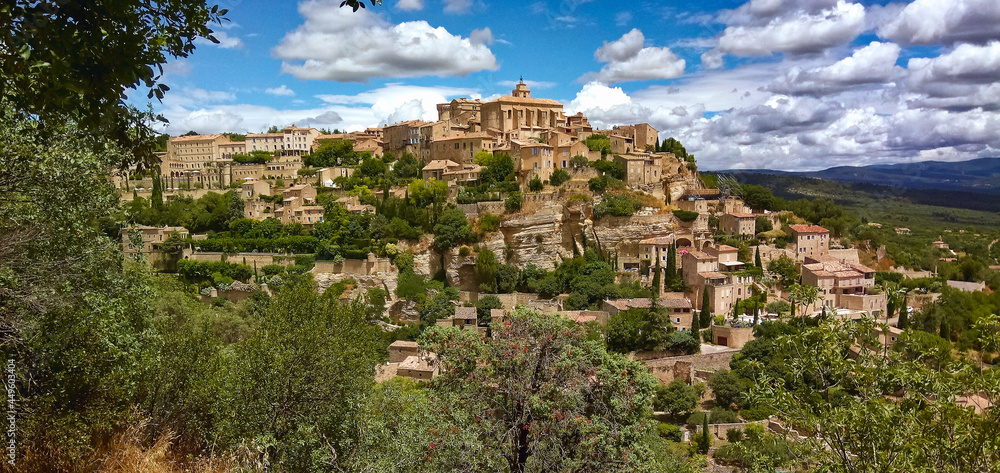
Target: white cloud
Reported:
[(712, 59), (281, 91), (410, 5), (390, 103), (336, 44), (803, 32), (872, 64), (457, 6), (949, 21), (966, 63), (628, 60), (226, 41)]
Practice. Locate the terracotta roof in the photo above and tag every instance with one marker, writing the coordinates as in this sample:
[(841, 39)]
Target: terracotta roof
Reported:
[(404, 344), (415, 363), (660, 240), (727, 248), (712, 275), (442, 164), (699, 255), (465, 313), (742, 215), (808, 229), (676, 303)]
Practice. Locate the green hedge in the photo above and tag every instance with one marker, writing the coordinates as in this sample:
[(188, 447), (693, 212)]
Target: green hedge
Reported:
[(291, 244), (203, 270)]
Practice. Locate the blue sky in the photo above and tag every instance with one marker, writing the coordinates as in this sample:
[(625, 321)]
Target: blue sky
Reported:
[(784, 84)]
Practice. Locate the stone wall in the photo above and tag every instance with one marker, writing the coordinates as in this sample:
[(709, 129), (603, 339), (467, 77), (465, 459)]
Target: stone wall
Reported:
[(359, 267), (684, 367), (734, 337), (262, 259)]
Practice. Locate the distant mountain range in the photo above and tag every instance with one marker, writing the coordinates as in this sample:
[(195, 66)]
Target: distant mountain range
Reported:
[(980, 176)]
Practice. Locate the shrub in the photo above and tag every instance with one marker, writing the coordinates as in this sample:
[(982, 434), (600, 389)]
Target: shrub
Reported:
[(669, 431), (489, 223), (756, 413), (558, 177), (686, 216), (721, 415), (535, 185), (513, 202), (618, 205), (695, 419), (272, 269), (464, 251), (734, 435)]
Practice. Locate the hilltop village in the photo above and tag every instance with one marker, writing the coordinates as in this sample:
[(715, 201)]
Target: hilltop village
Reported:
[(505, 206)]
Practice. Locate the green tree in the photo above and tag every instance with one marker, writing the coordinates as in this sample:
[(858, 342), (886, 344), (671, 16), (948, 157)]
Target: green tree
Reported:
[(728, 388), (676, 398), (540, 397), (535, 185), (513, 202), (487, 267), (706, 312), (579, 162), (756, 259), (785, 268), (656, 278), (483, 307), (558, 177), (497, 167), (598, 142), (313, 357), (52, 48)]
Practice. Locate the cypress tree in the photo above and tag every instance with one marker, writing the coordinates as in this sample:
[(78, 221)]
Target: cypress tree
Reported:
[(696, 326), (706, 441), (904, 314), (890, 308), (656, 279), (671, 276), (756, 259), (706, 314), (157, 197)]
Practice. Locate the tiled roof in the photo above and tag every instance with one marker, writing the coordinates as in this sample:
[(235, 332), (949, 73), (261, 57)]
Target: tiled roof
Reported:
[(808, 229), (465, 313), (196, 137), (404, 344)]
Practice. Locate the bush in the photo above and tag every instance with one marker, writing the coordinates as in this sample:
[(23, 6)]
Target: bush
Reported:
[(685, 216), (558, 177), (695, 419), (721, 415), (272, 269), (669, 431), (489, 223), (676, 398), (734, 435), (196, 271), (464, 251), (513, 202), (728, 388), (618, 205), (535, 185), (756, 413)]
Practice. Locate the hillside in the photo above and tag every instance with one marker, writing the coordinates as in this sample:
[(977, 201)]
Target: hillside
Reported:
[(979, 176), (915, 208)]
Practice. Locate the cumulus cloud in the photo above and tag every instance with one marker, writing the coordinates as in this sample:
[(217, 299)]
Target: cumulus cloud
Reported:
[(628, 60), (872, 64), (410, 5), (801, 32), (948, 21), (607, 106), (483, 36), (281, 91), (395, 102), (336, 44)]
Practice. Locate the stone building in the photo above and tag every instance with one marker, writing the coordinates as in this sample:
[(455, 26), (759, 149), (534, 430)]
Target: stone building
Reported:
[(739, 224), (519, 116), (843, 285), (811, 241)]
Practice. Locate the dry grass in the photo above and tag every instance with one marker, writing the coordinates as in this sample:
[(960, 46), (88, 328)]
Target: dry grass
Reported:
[(127, 454)]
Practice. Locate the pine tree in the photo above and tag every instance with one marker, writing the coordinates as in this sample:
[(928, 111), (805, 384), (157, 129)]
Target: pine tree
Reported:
[(756, 259), (706, 314), (656, 279)]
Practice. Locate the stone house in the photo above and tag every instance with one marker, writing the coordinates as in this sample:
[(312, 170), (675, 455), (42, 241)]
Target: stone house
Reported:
[(151, 238), (811, 241), (843, 285), (739, 224)]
